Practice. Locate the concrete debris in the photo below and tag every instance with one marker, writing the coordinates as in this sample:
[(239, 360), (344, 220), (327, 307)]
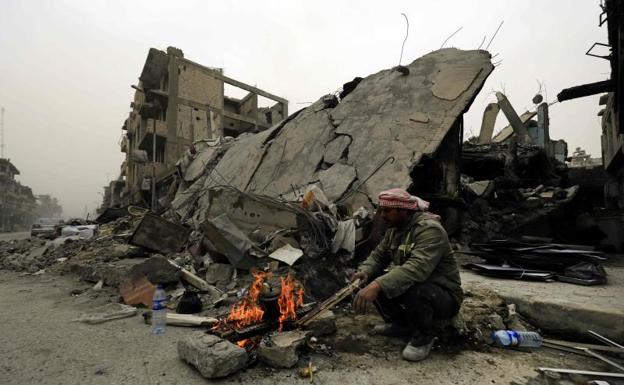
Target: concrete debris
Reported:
[(282, 350), (109, 312), (219, 273), (212, 356), (336, 149), (336, 180), (230, 241), (157, 269), (157, 234)]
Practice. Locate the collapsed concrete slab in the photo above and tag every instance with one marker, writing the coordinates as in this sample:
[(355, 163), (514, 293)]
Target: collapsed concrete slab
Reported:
[(370, 140), (407, 117)]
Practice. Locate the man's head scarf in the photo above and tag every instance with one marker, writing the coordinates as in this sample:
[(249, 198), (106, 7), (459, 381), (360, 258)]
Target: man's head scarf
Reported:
[(399, 198)]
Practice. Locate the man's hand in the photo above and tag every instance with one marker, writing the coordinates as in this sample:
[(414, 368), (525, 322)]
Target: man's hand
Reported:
[(362, 276), (365, 297)]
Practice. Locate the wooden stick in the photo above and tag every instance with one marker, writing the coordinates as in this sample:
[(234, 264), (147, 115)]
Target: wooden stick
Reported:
[(329, 303), (176, 319)]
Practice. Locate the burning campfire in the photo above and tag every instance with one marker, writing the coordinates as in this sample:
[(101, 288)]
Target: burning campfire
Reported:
[(271, 303)]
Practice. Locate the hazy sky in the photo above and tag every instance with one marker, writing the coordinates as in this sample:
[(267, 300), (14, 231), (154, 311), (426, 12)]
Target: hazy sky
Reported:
[(66, 66)]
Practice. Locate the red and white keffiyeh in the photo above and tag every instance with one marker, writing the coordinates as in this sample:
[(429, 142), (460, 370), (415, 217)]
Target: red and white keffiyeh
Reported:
[(399, 198)]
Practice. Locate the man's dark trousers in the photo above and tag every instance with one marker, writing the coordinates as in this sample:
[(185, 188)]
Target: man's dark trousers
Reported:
[(418, 308)]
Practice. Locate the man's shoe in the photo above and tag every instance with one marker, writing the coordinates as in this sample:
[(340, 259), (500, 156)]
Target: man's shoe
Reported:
[(416, 353), (390, 329)]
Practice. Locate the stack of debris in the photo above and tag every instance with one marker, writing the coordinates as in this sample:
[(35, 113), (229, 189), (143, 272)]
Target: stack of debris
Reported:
[(539, 261)]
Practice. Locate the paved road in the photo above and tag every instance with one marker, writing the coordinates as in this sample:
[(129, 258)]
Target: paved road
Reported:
[(11, 236), (41, 345)]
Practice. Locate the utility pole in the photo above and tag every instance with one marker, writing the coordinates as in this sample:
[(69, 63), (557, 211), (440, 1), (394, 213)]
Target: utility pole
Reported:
[(1, 132), (153, 203)]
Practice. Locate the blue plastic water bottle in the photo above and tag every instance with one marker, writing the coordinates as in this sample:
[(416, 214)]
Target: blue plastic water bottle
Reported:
[(508, 338), (159, 311)]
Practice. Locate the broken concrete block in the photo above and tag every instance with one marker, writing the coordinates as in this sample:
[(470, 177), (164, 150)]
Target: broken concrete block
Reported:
[(336, 149), (480, 188), (496, 322), (281, 351), (160, 235), (336, 180), (156, 269), (419, 117), (324, 324), (219, 273), (212, 356)]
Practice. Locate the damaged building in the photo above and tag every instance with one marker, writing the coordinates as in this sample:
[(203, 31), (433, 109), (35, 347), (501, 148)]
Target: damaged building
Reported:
[(18, 206), (608, 213), (400, 127), (178, 106)]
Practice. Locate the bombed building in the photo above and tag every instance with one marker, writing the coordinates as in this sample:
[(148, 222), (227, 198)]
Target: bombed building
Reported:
[(179, 105), (18, 205)]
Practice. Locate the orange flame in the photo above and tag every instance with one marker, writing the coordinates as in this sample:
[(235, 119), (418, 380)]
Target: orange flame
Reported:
[(290, 299), (248, 311)]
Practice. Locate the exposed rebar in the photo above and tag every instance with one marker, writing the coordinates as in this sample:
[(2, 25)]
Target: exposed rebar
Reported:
[(404, 40)]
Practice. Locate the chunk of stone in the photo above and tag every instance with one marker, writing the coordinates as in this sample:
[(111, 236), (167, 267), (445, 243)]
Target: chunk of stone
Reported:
[(336, 148), (496, 321), (156, 269), (219, 273), (336, 180), (212, 356), (324, 324), (282, 350)]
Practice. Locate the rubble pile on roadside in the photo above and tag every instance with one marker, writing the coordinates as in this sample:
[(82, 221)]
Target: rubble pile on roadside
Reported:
[(508, 191)]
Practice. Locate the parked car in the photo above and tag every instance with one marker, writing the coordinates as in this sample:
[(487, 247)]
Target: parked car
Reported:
[(46, 228)]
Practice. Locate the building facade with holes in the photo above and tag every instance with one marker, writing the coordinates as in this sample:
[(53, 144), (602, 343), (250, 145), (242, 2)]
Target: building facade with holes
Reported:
[(179, 104)]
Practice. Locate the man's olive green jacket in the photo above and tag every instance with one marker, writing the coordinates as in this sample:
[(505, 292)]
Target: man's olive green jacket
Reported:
[(418, 252)]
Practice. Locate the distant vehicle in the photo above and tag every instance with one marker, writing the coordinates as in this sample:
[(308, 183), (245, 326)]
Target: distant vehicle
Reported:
[(46, 227)]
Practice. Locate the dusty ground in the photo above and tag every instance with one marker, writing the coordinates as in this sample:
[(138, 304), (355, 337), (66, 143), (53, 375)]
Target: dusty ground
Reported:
[(41, 346), (12, 236)]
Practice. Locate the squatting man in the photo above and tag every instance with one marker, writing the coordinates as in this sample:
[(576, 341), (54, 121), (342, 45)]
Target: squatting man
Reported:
[(411, 277)]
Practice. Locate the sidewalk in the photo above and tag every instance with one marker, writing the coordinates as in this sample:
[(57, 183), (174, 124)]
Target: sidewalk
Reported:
[(562, 308)]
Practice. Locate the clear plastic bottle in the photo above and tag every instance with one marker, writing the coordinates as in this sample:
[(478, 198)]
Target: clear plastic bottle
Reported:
[(508, 338), (159, 311)]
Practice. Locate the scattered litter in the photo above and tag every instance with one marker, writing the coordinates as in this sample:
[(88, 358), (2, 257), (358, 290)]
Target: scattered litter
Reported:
[(108, 312), (287, 254)]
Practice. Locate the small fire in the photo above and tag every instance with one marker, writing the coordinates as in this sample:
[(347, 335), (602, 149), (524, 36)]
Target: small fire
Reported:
[(290, 299), (249, 310)]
